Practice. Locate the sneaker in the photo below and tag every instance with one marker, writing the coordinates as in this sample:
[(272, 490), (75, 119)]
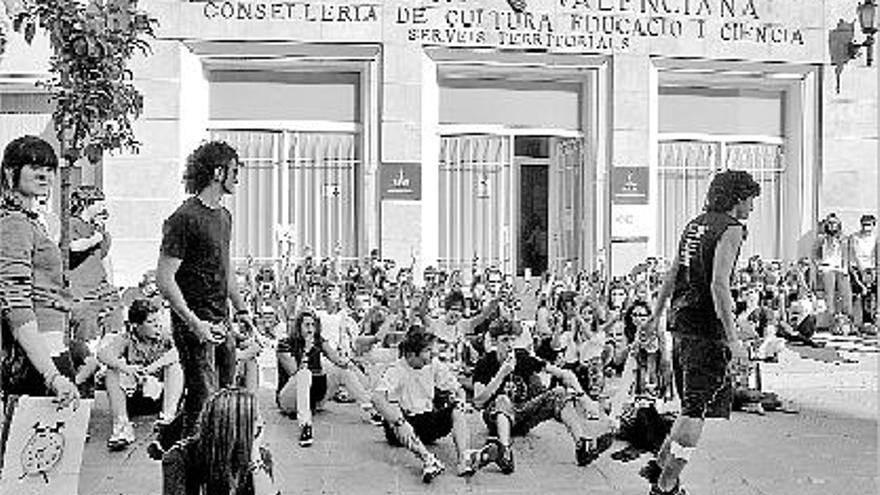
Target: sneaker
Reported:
[(754, 408), (306, 438), (473, 461), (582, 452), (341, 396), (122, 436), (505, 459), (431, 469), (651, 471), (488, 454), (678, 490)]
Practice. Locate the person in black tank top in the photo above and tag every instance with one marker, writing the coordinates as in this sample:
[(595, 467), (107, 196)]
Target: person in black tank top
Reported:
[(702, 323)]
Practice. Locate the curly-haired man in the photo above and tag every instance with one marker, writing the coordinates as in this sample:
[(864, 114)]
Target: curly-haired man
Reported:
[(194, 275), (705, 338)]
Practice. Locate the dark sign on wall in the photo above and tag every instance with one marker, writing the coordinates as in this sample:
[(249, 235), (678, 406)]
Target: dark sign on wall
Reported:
[(629, 185), (401, 181)]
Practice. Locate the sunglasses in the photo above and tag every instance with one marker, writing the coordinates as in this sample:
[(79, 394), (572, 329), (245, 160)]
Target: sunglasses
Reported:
[(640, 315)]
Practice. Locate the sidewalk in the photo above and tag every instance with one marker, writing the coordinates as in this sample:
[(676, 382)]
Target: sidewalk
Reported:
[(830, 448)]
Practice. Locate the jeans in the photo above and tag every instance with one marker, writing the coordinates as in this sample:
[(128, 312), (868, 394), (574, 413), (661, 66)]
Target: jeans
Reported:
[(206, 369), (837, 285)]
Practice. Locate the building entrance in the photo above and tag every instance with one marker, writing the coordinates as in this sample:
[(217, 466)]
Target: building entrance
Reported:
[(511, 200)]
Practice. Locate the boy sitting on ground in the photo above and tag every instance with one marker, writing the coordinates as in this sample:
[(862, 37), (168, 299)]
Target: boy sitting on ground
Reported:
[(508, 388), (420, 400), (142, 366)]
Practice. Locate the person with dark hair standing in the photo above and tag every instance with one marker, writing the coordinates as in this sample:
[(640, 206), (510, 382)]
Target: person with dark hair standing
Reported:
[(194, 275), (34, 305), (704, 332)]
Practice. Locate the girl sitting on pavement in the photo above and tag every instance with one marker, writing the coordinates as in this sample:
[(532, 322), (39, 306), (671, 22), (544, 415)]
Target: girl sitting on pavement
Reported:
[(302, 382)]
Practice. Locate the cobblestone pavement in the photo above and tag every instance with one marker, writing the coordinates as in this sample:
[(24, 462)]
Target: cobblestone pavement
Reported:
[(829, 448)]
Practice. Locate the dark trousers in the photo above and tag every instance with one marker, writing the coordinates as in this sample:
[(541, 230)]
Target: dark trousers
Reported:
[(206, 369)]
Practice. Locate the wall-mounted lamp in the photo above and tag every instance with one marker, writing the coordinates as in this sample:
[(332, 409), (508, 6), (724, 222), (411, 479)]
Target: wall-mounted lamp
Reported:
[(867, 11), (841, 46)]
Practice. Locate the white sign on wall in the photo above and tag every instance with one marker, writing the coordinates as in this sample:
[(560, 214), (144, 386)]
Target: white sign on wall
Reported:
[(630, 221)]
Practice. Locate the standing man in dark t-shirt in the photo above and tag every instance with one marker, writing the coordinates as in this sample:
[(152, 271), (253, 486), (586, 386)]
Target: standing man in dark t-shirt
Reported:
[(195, 277), (704, 332)]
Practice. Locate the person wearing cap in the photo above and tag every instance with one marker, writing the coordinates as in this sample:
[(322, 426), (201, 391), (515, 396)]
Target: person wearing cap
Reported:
[(420, 401), (142, 366), (514, 400)]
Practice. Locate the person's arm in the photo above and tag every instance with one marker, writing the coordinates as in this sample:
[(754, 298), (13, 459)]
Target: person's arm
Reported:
[(85, 243), (287, 362), (723, 265), (472, 323), (482, 393), (166, 269), (665, 290), (238, 303), (111, 355), (333, 356), (170, 357), (16, 291), (568, 378)]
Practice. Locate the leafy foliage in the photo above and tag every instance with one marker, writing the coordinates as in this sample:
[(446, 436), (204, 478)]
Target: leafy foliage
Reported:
[(91, 85)]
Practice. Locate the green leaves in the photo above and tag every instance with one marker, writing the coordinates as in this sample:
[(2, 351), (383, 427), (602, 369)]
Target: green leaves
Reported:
[(90, 83)]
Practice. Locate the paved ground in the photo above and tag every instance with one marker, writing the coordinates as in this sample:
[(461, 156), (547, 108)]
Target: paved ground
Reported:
[(830, 448)]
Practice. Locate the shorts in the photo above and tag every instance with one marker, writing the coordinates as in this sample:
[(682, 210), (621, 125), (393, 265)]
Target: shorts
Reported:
[(429, 426), (700, 368), (527, 415)]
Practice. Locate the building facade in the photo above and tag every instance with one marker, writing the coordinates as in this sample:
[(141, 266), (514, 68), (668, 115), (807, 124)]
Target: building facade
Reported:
[(527, 134)]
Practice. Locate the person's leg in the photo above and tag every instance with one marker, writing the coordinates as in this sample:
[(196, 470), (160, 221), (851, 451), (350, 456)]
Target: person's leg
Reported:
[(503, 421), (172, 391), (460, 432), (677, 450), (199, 376), (353, 380), (287, 397), (846, 294), (115, 395), (225, 362), (828, 280), (707, 392), (303, 386)]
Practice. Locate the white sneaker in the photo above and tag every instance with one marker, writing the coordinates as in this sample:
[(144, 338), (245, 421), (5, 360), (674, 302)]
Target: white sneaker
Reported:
[(122, 435)]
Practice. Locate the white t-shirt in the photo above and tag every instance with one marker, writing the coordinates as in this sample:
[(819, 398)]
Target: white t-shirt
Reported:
[(338, 329), (413, 389), (864, 248)]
